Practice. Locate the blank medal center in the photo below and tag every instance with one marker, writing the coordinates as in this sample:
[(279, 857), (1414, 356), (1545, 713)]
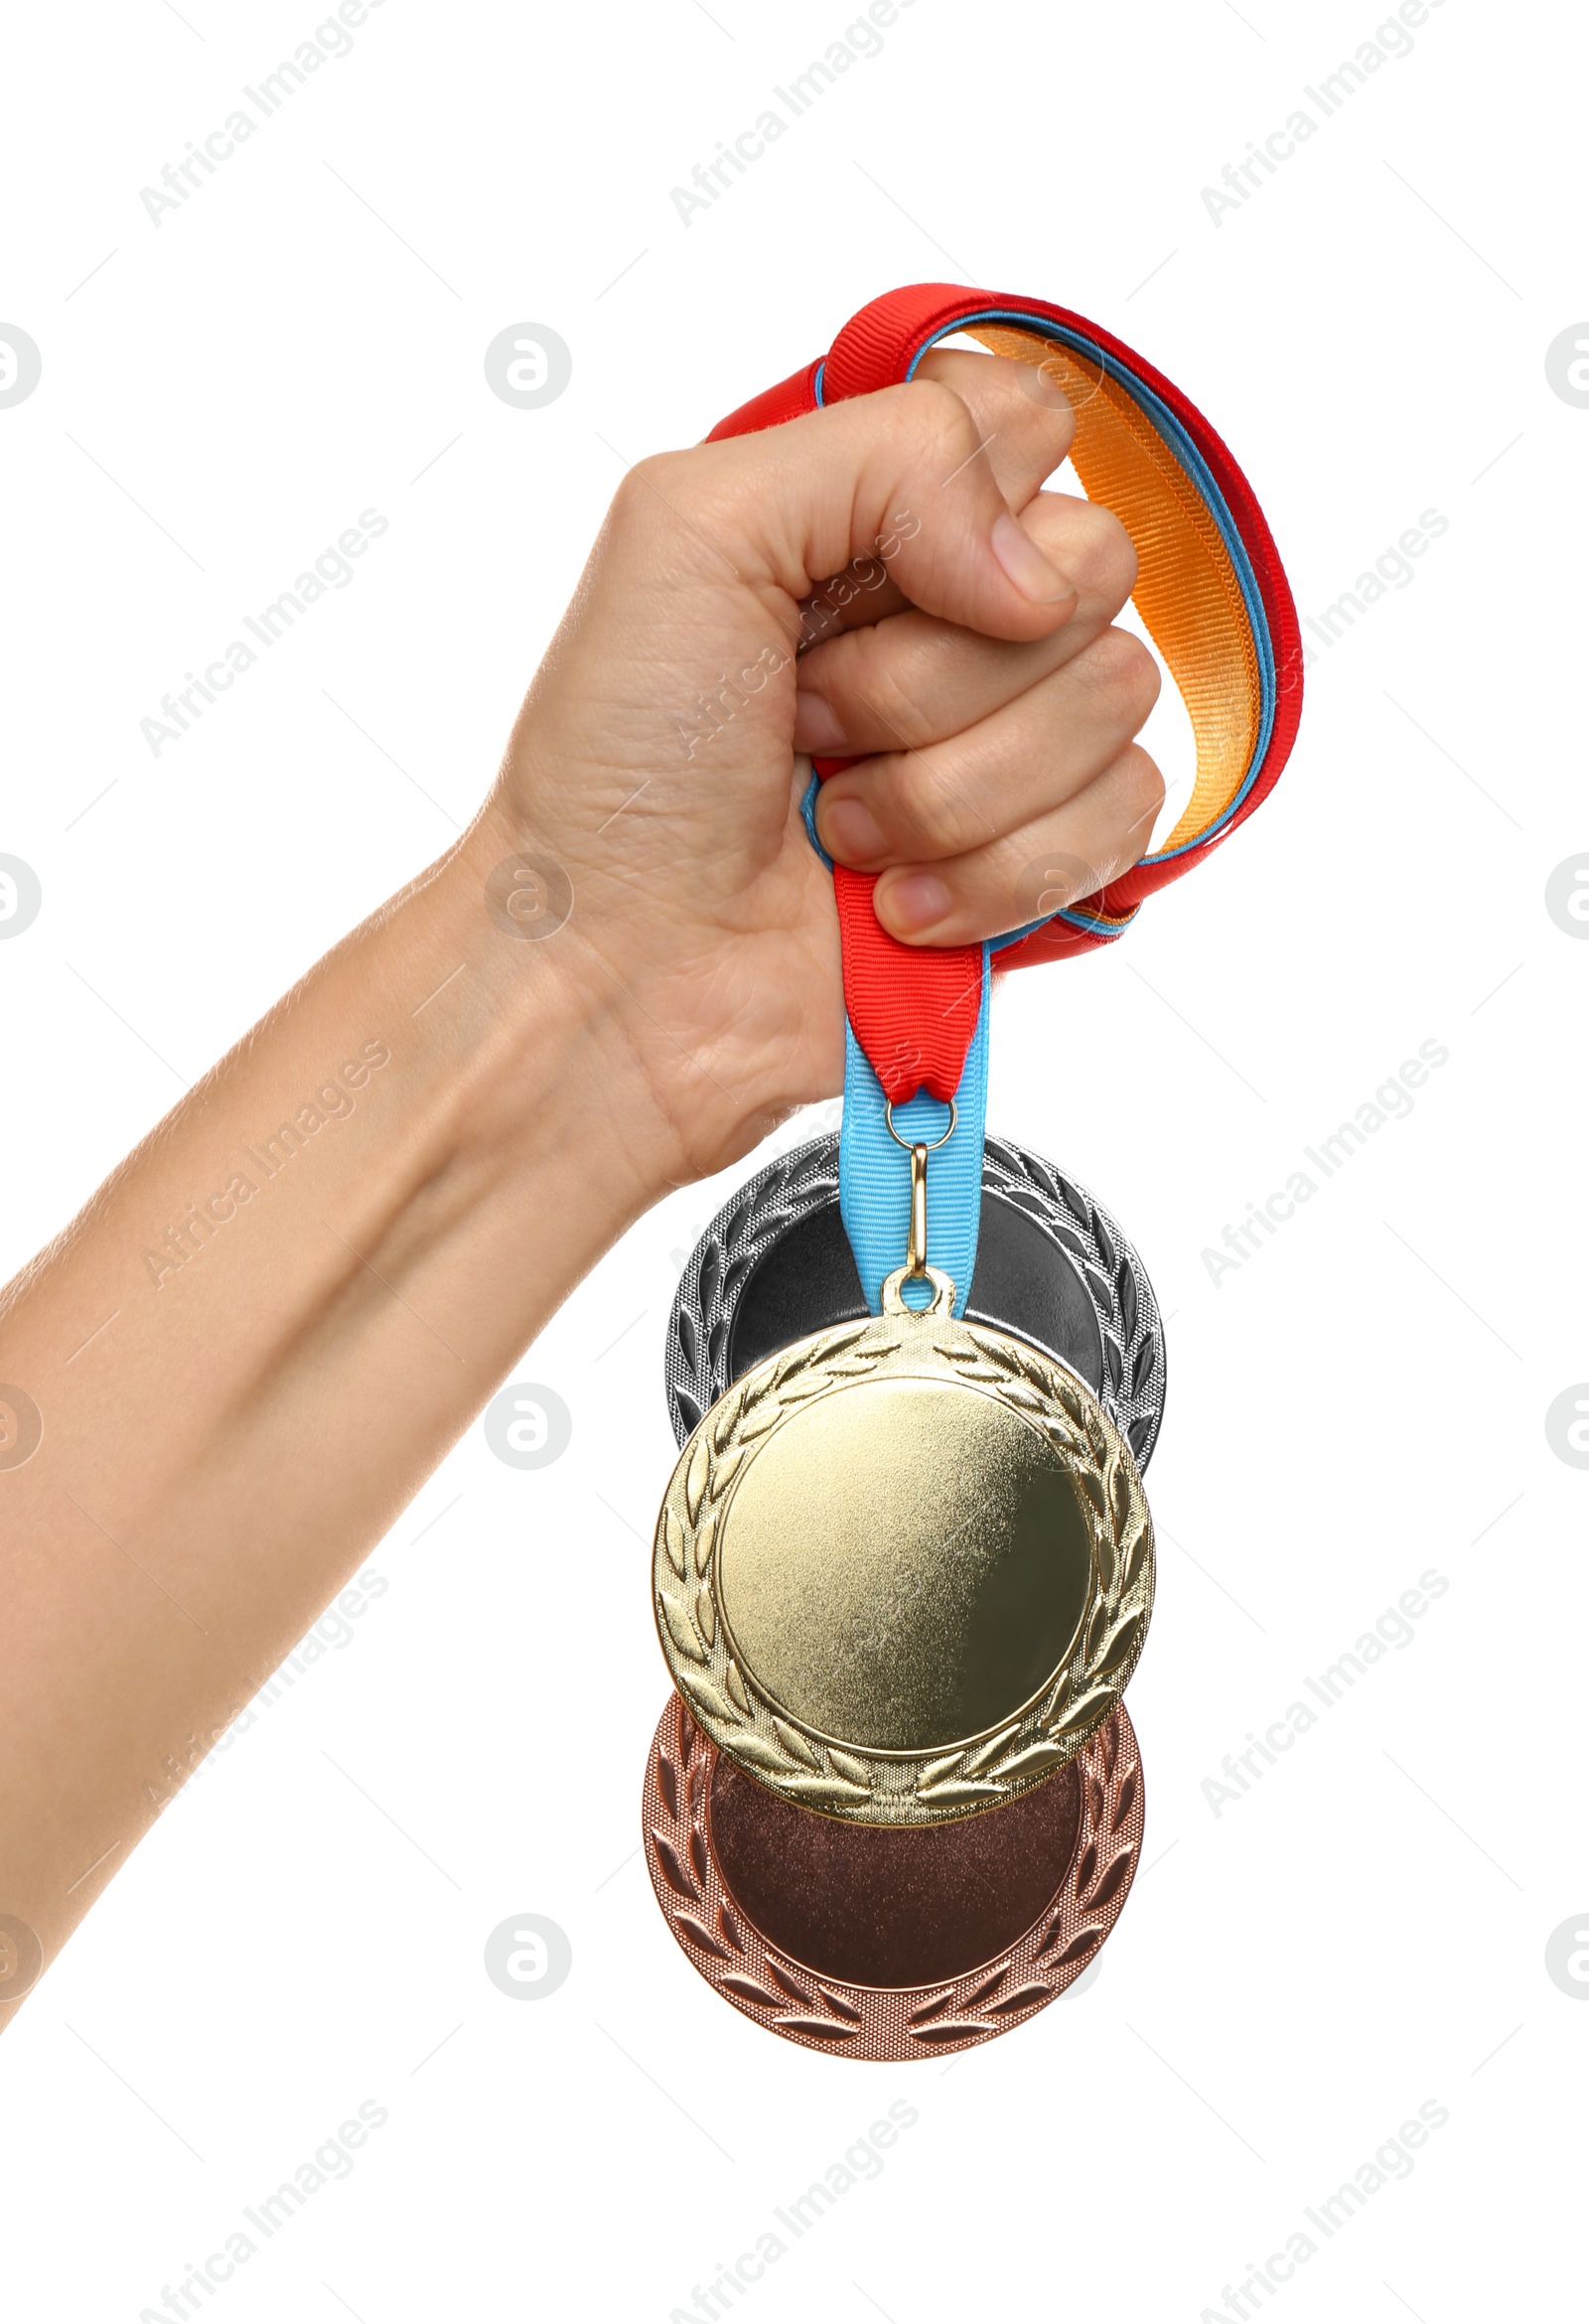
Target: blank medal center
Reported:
[(904, 1565)]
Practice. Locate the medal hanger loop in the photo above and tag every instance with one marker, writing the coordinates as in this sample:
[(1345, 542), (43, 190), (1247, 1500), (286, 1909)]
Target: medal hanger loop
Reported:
[(916, 1248), (915, 1266)]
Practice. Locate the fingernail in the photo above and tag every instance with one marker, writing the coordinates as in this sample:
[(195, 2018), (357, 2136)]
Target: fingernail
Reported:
[(849, 830), (914, 901), (1025, 563), (818, 727)]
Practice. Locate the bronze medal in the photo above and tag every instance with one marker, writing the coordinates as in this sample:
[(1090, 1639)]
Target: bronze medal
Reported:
[(893, 1945)]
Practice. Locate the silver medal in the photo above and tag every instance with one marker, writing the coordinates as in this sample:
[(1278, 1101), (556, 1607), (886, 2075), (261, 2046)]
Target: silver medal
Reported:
[(1052, 1268)]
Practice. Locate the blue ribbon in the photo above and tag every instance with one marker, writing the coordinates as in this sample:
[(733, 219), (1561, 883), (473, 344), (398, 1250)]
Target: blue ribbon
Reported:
[(874, 1170)]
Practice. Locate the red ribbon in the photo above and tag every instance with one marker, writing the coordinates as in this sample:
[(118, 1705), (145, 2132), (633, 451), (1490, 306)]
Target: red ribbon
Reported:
[(913, 1008)]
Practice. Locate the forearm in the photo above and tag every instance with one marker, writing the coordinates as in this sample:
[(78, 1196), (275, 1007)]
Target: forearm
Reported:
[(266, 1329)]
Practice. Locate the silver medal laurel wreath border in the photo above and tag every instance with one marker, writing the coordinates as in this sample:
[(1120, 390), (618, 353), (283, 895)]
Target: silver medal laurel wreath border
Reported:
[(700, 1326)]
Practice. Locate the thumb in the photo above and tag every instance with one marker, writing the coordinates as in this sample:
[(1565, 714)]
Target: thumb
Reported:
[(901, 477)]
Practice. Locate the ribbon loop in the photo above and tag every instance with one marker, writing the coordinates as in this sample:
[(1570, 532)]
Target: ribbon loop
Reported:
[(1213, 597)]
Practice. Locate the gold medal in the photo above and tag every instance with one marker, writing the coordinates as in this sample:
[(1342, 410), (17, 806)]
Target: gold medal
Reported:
[(904, 1568)]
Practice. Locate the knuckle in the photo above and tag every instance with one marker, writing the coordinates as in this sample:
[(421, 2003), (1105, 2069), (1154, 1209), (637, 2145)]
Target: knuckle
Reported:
[(1142, 789), (1122, 669), (661, 481), (936, 419), (1099, 555), (926, 807), (657, 472), (882, 695), (693, 502)]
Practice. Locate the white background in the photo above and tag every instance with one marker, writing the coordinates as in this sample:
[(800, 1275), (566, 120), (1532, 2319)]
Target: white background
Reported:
[(1365, 1930)]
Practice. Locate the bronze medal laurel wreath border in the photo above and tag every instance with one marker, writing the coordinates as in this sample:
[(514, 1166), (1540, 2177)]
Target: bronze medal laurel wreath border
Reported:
[(1114, 1277), (891, 2024), (891, 1787)]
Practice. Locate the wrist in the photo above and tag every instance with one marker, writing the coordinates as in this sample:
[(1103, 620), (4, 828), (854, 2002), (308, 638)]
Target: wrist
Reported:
[(536, 1029)]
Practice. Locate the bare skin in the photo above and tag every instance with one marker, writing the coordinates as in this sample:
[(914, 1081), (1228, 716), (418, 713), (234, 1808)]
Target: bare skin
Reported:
[(283, 1373)]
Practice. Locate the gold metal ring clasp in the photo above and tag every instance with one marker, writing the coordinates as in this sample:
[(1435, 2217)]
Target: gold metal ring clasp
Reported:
[(931, 1145)]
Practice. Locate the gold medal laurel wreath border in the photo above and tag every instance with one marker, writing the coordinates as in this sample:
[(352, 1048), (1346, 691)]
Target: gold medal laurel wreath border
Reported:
[(888, 2024), (854, 1785)]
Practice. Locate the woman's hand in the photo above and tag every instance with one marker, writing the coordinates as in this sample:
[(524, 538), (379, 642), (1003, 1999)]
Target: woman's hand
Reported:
[(963, 656)]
